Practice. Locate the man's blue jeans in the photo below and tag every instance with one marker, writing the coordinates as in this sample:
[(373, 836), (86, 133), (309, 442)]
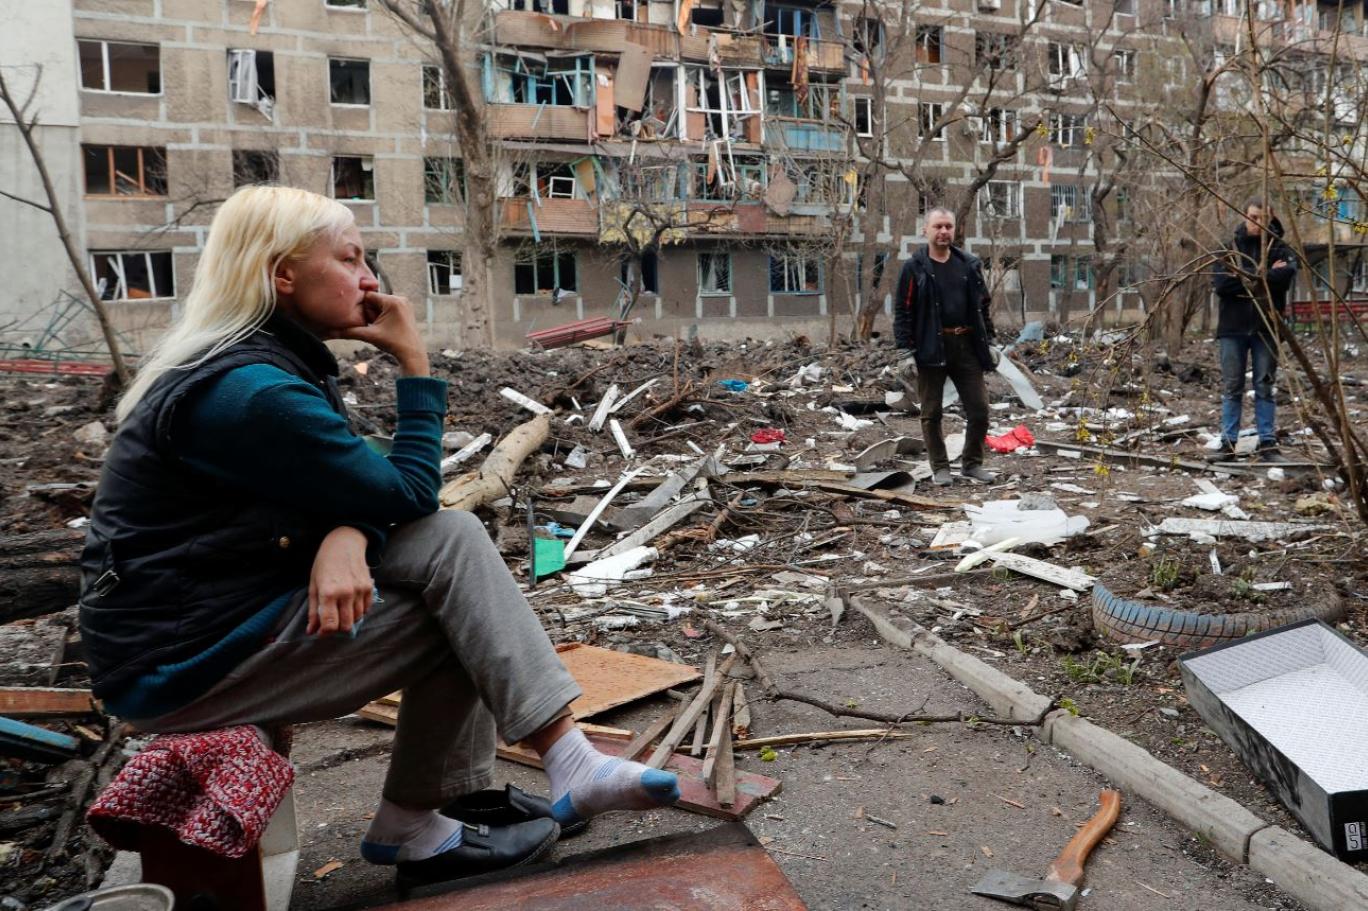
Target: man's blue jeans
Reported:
[(1236, 352)]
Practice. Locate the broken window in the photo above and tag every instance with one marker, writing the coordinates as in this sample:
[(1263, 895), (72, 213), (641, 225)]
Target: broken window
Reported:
[(1068, 130), (251, 79), (1066, 60), (791, 21), (250, 167), (349, 81), (863, 115), (345, 4), (795, 273), (997, 125), (1069, 203), (714, 273), (555, 7), (444, 272), (648, 183), (436, 95), (647, 273), (627, 9), (708, 16), (824, 183), (111, 66), (726, 104), (821, 102), (658, 117), (867, 37), (561, 81), (1125, 64), (724, 177), (544, 272), (929, 43), (353, 178), (1000, 199), (931, 113), (124, 171), (444, 181), (133, 275), (995, 51)]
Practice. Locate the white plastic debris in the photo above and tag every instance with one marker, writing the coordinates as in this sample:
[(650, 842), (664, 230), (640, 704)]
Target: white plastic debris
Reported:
[(592, 579), (577, 458), (1277, 474), (998, 520), (92, 434), (740, 545)]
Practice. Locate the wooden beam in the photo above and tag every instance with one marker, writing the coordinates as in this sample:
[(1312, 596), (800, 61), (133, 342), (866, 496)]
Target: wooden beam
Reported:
[(44, 702), (685, 722)]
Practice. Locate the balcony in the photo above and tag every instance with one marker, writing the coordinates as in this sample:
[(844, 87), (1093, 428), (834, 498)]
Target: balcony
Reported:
[(804, 135), (538, 121), (526, 216), (517, 28)]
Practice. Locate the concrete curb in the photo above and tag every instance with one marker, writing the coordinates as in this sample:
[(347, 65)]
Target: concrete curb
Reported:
[(1305, 872), (1315, 878)]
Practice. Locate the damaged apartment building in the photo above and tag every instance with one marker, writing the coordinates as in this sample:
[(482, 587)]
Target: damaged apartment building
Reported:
[(688, 163)]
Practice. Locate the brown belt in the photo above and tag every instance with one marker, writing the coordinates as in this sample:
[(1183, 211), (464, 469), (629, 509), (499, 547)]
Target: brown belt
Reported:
[(956, 330)]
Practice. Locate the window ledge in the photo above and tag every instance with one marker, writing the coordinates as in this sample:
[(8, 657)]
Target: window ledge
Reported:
[(118, 92)]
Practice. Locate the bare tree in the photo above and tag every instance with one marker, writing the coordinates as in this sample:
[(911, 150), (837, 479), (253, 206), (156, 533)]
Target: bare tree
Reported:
[(26, 123)]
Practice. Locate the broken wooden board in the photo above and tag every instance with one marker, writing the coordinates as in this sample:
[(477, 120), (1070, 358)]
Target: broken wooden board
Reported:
[(1229, 528), (721, 868), (611, 678), (1066, 577), (1131, 459), (695, 796), (607, 678), (44, 702), (911, 501)]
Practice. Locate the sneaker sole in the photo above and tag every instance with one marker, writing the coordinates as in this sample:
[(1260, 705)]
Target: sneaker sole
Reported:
[(407, 882)]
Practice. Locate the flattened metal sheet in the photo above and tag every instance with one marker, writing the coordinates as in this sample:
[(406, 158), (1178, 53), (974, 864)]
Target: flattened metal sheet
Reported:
[(723, 869)]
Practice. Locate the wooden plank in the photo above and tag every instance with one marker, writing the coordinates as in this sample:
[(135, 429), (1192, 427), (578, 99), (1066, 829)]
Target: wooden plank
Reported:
[(741, 713), (724, 782), (1075, 579), (44, 702), (888, 496), (751, 789), (607, 678), (652, 732), (701, 728), (689, 716), (611, 678), (721, 731)]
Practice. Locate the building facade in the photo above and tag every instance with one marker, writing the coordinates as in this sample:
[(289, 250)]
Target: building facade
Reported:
[(726, 167)]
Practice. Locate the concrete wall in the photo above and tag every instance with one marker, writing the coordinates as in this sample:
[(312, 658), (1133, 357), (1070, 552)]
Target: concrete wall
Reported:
[(35, 269)]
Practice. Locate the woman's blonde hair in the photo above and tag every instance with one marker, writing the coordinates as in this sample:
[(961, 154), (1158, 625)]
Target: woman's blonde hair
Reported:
[(233, 293)]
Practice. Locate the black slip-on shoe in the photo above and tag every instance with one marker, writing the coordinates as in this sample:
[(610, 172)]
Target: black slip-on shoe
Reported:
[(1226, 453), (483, 849), (492, 807)]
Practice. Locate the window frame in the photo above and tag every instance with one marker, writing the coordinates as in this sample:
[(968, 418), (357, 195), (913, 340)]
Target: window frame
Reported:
[(269, 154), (121, 274), (347, 6), (113, 172), (556, 258), (1080, 209), (1127, 64), (455, 276), (929, 45), (443, 93), (998, 126), (1014, 199), (803, 263), (723, 257), (454, 179), (370, 94), (104, 44), (332, 181), (925, 123), (867, 102)]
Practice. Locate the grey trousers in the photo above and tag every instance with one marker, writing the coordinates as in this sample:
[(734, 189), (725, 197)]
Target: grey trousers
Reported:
[(452, 630)]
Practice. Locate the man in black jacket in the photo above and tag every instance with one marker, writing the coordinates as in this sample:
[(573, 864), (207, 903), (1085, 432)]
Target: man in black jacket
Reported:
[(1251, 279), (941, 315)]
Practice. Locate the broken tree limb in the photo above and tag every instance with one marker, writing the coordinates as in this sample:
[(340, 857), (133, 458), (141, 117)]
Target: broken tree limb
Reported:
[(775, 692), (663, 407), (40, 573), (759, 743), (494, 478), (911, 501)]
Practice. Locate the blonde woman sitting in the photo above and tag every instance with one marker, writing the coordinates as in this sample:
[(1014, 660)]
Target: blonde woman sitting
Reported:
[(241, 532)]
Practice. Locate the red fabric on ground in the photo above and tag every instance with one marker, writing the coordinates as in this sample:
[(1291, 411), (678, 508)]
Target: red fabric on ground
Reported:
[(768, 435), (215, 789), (1017, 438)]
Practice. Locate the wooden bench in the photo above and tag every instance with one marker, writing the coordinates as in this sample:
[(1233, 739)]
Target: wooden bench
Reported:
[(1309, 313)]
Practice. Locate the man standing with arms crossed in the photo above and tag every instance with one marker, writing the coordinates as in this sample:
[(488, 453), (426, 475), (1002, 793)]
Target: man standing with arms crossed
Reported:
[(941, 315)]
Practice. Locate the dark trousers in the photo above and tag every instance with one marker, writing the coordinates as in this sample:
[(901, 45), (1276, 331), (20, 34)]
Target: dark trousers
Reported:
[(963, 369)]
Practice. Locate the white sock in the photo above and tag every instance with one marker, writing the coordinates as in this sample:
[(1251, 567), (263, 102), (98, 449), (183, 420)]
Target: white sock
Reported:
[(397, 834), (584, 782)]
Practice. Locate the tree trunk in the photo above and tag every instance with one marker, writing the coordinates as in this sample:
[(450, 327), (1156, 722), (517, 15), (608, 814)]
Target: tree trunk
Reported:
[(39, 573)]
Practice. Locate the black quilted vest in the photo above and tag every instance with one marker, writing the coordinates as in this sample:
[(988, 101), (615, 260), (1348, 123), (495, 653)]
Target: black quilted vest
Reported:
[(174, 560)]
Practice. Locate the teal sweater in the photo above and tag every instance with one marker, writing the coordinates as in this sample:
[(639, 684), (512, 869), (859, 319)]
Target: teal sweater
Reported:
[(271, 435)]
